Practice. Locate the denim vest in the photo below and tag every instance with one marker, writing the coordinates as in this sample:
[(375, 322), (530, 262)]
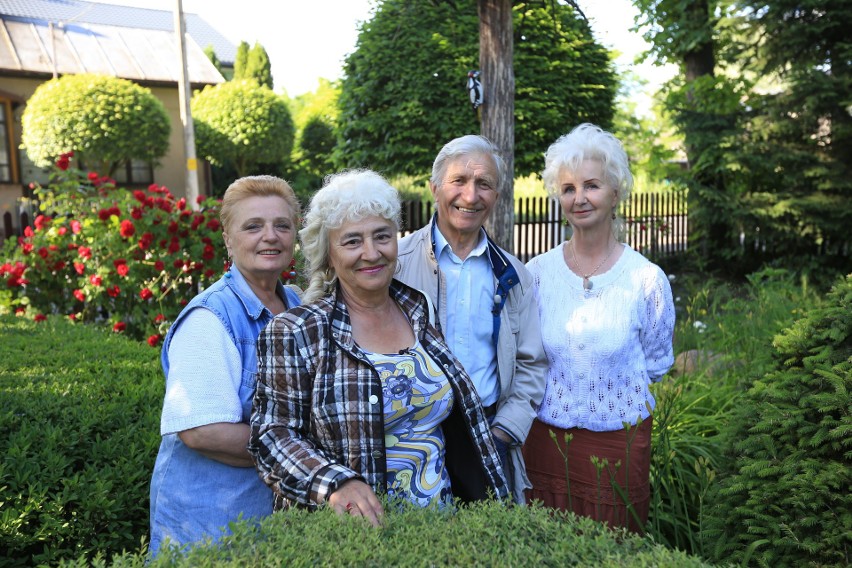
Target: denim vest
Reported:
[(192, 496)]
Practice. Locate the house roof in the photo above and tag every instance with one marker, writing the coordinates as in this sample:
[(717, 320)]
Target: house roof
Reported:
[(88, 37)]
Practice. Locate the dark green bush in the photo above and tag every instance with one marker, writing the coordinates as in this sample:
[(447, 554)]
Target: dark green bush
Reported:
[(79, 431), (487, 534), (788, 501)]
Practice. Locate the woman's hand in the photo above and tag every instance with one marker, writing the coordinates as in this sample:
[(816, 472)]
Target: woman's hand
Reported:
[(356, 498)]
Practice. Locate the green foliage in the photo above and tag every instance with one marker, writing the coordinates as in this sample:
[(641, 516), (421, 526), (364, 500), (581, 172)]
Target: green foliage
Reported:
[(78, 435), (788, 502), (258, 66), (767, 127), (210, 52), (241, 61), (99, 253), (486, 534), (106, 121), (242, 123), (404, 93)]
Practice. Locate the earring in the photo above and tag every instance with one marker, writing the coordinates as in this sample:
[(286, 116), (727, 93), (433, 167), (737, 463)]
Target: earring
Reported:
[(613, 213)]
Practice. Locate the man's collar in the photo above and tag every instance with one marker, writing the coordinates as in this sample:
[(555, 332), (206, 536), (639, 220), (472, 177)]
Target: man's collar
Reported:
[(440, 242)]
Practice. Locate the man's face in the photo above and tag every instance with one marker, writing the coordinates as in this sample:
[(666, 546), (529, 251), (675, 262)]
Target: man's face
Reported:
[(466, 196)]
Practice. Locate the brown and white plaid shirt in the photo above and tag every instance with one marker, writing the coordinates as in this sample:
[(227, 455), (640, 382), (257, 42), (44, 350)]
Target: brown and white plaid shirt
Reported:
[(318, 415)]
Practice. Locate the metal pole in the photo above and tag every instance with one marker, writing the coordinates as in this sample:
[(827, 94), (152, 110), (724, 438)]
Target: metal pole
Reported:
[(185, 114)]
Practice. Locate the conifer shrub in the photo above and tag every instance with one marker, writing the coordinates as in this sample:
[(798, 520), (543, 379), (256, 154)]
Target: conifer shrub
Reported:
[(79, 431), (788, 502)]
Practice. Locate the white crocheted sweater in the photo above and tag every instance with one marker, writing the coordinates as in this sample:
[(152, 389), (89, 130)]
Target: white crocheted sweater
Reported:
[(605, 345)]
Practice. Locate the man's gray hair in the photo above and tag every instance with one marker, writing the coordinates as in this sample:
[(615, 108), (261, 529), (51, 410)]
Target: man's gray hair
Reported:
[(465, 146)]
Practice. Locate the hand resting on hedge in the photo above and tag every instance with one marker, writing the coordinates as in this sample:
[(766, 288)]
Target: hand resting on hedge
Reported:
[(356, 498)]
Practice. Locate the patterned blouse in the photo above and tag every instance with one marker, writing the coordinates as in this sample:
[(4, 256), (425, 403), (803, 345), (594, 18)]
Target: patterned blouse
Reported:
[(417, 398)]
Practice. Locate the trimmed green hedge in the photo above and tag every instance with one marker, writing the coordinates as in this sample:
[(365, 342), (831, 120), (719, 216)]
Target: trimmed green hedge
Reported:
[(486, 534), (79, 432)]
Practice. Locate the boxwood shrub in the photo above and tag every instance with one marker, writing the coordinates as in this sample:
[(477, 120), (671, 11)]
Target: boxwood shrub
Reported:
[(486, 534), (79, 431)]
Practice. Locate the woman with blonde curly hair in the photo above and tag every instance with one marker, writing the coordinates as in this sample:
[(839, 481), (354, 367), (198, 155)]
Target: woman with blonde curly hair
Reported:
[(358, 395)]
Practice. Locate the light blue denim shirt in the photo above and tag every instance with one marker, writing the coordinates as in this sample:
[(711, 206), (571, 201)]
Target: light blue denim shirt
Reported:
[(470, 292), (194, 497)]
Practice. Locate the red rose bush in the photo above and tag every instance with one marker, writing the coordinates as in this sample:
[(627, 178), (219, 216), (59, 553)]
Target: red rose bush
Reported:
[(100, 253)]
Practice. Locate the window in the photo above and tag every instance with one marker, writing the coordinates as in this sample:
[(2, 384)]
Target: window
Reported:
[(5, 142), (135, 172)]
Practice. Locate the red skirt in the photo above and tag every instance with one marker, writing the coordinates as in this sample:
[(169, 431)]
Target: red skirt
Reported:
[(592, 492)]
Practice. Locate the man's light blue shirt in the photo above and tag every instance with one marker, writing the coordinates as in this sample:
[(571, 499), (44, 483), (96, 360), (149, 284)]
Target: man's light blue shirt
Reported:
[(470, 323)]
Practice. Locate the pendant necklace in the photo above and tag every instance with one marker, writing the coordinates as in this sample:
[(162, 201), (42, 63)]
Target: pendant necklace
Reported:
[(587, 284)]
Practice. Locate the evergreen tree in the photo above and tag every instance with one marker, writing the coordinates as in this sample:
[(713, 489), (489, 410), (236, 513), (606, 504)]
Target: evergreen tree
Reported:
[(404, 92), (241, 61), (214, 59), (788, 501), (258, 66)]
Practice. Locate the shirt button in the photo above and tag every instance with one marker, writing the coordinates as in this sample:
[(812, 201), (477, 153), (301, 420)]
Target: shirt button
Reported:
[(582, 375), (377, 454), (581, 346), (374, 399)]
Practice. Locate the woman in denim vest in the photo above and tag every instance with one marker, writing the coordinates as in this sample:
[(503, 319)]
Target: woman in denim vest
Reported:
[(203, 477)]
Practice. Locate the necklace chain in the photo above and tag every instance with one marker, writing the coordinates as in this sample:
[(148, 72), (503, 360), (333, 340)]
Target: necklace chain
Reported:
[(587, 283)]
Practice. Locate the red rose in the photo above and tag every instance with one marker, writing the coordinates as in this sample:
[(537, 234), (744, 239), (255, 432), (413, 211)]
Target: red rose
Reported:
[(174, 246), (80, 295), (103, 214), (95, 280), (119, 327), (72, 317), (62, 163), (173, 227), (145, 241), (122, 269), (27, 248), (40, 317), (42, 252), (85, 252), (28, 232), (160, 318), (153, 340), (146, 294), (62, 230), (113, 291), (181, 204), (213, 224), (159, 265), (178, 263), (93, 177), (140, 196), (79, 267), (209, 252), (127, 229), (41, 221)]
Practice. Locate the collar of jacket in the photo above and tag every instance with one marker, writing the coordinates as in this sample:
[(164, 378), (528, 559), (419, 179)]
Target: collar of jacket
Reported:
[(411, 301), (504, 274)]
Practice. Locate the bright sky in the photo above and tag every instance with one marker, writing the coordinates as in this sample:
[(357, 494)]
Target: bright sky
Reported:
[(307, 40)]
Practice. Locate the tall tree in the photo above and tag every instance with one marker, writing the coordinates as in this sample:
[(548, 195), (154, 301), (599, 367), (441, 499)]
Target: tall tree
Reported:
[(496, 49), (403, 94)]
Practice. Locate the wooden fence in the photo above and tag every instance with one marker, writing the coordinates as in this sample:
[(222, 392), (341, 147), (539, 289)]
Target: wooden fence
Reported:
[(655, 223)]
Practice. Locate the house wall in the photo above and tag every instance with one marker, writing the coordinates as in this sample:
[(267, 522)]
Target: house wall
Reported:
[(170, 172)]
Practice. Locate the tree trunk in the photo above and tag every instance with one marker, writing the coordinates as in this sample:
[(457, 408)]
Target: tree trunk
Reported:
[(498, 107)]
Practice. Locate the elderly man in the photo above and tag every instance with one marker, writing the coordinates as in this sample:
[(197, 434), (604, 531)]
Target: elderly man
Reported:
[(482, 296)]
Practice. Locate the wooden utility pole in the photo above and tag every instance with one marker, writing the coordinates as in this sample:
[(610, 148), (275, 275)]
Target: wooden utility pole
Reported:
[(184, 93), (496, 49)]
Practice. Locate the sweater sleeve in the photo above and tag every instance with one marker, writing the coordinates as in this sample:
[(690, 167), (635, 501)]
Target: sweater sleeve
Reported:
[(204, 376), (658, 325)]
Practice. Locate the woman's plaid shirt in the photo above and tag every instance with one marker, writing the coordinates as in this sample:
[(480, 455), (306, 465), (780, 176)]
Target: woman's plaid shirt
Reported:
[(318, 414)]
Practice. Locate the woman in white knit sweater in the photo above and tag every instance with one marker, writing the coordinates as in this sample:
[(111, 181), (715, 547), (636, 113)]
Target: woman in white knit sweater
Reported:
[(607, 321)]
